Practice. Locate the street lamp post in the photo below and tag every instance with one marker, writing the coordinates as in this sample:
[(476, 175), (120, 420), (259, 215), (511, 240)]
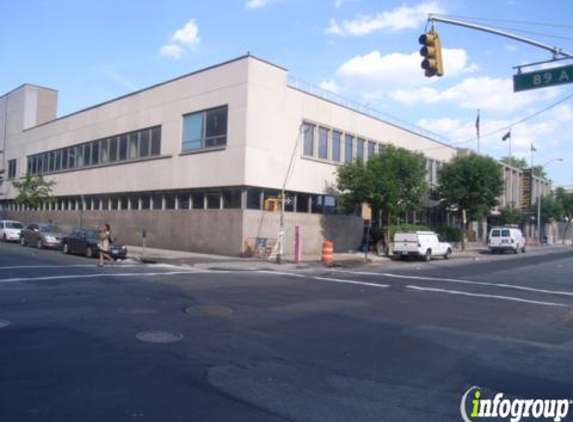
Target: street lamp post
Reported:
[(539, 201)]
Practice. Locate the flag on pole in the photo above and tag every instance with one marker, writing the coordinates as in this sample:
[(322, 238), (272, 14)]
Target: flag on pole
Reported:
[(533, 147), (506, 136), (477, 124)]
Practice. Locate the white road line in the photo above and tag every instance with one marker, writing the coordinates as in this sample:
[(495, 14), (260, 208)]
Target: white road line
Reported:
[(471, 282), (271, 272), (97, 275), (510, 298), (363, 283), (23, 267)]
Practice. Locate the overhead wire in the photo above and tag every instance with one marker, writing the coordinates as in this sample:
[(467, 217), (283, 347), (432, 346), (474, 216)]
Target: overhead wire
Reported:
[(515, 22), (505, 128), (507, 21)]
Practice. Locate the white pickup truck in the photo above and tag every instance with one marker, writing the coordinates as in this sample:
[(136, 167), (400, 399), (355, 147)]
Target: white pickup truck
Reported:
[(420, 244)]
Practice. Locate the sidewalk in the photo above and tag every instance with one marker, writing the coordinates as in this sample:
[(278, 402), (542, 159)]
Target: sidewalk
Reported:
[(343, 260)]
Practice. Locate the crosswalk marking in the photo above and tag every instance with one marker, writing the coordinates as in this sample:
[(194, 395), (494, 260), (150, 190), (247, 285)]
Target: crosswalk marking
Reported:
[(482, 295)]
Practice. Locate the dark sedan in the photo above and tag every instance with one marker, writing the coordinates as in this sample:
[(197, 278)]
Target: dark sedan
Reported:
[(85, 242)]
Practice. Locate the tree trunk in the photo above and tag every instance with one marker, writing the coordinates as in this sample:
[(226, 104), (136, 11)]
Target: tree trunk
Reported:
[(565, 231), (387, 236), (463, 232)]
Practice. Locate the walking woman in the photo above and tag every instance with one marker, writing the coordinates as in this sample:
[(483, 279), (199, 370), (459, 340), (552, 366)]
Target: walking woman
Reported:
[(103, 245)]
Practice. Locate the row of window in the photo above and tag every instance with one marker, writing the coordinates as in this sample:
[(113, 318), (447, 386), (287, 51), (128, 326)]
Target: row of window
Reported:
[(126, 147), (333, 145), (339, 147), (225, 198), (201, 130)]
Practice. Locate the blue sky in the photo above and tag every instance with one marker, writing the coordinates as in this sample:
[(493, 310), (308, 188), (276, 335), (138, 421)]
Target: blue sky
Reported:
[(364, 50)]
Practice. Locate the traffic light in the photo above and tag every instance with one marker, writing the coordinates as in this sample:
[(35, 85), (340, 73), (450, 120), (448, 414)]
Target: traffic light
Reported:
[(432, 54)]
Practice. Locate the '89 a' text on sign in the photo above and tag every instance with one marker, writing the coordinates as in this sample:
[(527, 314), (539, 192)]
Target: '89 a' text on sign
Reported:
[(543, 78)]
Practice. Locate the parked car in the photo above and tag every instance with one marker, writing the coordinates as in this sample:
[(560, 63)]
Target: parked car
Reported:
[(10, 230), (503, 239), (42, 235), (420, 244), (85, 242)]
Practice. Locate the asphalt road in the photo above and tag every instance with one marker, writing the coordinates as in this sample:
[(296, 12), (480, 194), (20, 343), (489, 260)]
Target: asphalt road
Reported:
[(170, 343)]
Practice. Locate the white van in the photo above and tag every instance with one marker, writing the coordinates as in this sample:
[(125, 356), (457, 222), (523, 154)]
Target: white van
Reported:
[(502, 239), (420, 244)]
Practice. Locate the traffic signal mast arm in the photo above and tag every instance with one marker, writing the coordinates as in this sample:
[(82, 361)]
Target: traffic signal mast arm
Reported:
[(556, 51)]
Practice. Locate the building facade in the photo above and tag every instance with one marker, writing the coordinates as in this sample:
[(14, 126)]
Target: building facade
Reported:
[(193, 162)]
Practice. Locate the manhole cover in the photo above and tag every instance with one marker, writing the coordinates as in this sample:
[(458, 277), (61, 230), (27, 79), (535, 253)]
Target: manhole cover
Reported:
[(4, 323), (159, 336), (214, 310)]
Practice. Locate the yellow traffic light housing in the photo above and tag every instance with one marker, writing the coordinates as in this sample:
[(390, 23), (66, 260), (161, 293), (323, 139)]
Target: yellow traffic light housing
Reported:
[(432, 54)]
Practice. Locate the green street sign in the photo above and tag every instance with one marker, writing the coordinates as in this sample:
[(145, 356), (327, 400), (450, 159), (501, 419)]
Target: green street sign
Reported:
[(543, 78)]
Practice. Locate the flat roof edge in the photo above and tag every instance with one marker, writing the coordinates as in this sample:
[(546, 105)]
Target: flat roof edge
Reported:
[(225, 63), (27, 84)]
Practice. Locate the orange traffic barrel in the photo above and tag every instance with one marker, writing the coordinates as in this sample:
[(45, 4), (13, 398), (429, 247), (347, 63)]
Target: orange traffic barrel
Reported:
[(327, 249)]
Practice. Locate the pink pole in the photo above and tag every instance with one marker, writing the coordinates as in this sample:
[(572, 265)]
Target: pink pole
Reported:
[(297, 244)]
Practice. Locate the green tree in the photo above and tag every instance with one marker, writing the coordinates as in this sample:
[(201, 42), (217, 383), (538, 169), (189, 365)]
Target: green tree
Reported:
[(551, 209), (510, 215), (391, 182), (566, 200), (539, 171), (33, 190), (519, 163), (472, 183)]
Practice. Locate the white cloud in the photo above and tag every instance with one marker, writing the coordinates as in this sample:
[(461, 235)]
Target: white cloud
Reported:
[(397, 72), (563, 113), (330, 85), (548, 133), (403, 17), (339, 3), (492, 94), (187, 37), (118, 77), (171, 50), (510, 47), (334, 28), (257, 4)]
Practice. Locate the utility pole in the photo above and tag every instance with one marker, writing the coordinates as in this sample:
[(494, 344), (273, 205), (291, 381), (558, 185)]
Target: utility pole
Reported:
[(281, 235)]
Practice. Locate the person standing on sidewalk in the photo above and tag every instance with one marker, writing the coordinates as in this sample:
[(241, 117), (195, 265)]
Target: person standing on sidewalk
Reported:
[(103, 244)]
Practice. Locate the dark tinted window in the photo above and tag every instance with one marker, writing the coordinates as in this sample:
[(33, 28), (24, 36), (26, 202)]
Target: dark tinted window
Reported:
[(322, 143), (113, 149), (336, 146), (144, 144), (308, 139), (156, 140), (216, 127), (123, 147)]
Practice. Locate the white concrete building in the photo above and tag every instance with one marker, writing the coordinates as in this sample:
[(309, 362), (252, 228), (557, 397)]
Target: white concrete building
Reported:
[(192, 160)]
